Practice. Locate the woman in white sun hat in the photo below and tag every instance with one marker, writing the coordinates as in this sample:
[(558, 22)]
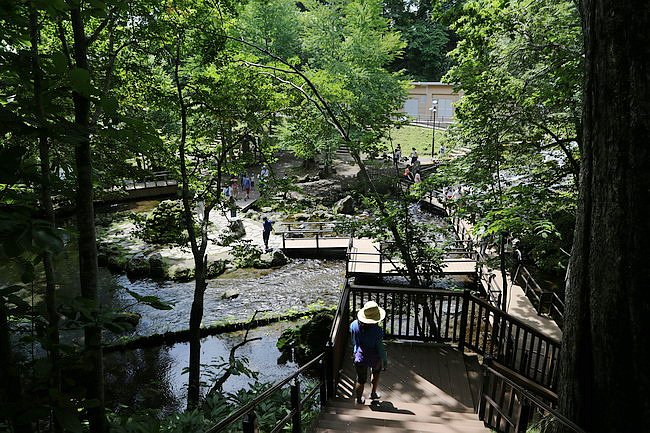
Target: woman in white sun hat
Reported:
[(368, 348)]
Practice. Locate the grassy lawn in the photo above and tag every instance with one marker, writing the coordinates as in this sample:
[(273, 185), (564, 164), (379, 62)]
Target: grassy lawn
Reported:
[(415, 136)]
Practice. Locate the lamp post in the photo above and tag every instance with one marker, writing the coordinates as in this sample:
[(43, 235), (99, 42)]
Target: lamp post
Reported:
[(433, 109)]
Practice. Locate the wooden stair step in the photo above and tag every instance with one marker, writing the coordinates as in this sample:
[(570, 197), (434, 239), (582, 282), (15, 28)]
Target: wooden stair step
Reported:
[(385, 405), (349, 423), (402, 412)]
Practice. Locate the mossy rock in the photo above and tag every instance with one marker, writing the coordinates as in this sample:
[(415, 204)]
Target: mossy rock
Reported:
[(180, 274), (166, 224), (307, 340), (216, 268), (117, 262), (138, 266), (157, 266)]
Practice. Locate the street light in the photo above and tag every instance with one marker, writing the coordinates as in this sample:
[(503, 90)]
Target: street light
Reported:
[(433, 109)]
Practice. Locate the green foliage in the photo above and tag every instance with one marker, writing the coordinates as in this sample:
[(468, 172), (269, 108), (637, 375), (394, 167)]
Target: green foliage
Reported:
[(246, 253), (164, 225), (424, 57), (307, 340), (215, 408), (520, 66)]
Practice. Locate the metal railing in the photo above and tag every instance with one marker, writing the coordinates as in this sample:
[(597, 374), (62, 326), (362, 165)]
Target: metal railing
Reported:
[(545, 301), (436, 316), (465, 319), (510, 403), (156, 179), (310, 230), (246, 414)]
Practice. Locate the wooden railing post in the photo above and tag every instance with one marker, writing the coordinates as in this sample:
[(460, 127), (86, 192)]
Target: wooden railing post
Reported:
[(323, 382), (329, 369), (295, 406), (485, 386), (463, 321), (524, 416), (249, 423)]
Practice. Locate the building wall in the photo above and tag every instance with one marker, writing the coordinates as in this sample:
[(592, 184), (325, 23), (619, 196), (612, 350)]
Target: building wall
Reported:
[(418, 102)]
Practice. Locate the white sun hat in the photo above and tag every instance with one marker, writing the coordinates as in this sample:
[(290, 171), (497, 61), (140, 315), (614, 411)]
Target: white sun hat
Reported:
[(371, 313)]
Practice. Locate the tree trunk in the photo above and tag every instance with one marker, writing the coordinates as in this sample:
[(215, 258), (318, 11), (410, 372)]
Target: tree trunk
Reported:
[(47, 208), (11, 390), (196, 316), (604, 379), (200, 265), (86, 228)]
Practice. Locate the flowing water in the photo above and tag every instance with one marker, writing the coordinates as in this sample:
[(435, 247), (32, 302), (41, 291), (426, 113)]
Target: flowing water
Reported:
[(152, 377)]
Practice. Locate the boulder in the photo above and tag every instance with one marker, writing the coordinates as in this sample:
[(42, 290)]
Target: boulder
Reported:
[(301, 216), (216, 268), (156, 266), (117, 262), (271, 259), (180, 274), (344, 206), (230, 294), (237, 228), (131, 318), (138, 266)]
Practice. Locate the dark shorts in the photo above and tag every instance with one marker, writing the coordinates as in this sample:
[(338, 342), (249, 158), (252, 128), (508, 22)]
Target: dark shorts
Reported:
[(362, 372)]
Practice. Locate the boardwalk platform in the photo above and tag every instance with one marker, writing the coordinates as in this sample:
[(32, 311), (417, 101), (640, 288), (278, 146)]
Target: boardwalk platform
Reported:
[(363, 255), (426, 388)]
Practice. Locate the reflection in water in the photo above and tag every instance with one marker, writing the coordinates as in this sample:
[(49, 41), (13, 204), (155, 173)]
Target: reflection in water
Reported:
[(153, 377)]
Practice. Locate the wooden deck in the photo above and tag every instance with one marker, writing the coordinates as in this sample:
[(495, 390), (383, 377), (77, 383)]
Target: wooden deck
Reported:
[(425, 389), (364, 257)]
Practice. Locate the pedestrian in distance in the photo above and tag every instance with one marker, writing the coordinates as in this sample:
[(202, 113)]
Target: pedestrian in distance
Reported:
[(407, 173), (246, 183), (267, 226), (234, 187), (397, 154), (414, 155), (368, 349)]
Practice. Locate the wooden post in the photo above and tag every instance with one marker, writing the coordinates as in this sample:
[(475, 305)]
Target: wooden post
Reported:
[(524, 416), (482, 401), (323, 381), (463, 321), (249, 423), (295, 406), (330, 374)]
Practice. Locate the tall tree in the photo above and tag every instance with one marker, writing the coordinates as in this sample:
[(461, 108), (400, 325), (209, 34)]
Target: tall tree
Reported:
[(604, 378)]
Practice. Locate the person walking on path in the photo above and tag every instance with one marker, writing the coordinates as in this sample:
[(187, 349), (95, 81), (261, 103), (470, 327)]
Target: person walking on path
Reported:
[(397, 155), (246, 184), (368, 349), (266, 231), (414, 155)]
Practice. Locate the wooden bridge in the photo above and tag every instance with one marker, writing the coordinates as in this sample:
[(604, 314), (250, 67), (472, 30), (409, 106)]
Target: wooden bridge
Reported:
[(160, 183), (364, 256)]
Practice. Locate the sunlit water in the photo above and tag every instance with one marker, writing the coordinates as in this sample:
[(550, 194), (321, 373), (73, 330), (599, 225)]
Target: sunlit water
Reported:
[(294, 287)]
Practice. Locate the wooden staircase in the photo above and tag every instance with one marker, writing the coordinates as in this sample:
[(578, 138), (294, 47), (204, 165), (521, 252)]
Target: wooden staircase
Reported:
[(425, 389)]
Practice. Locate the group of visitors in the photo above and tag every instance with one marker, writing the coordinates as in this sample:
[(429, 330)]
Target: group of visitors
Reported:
[(412, 174), (244, 184)]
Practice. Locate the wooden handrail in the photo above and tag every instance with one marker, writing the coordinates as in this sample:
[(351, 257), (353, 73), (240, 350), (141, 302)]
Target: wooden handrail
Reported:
[(239, 413), (530, 390)]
